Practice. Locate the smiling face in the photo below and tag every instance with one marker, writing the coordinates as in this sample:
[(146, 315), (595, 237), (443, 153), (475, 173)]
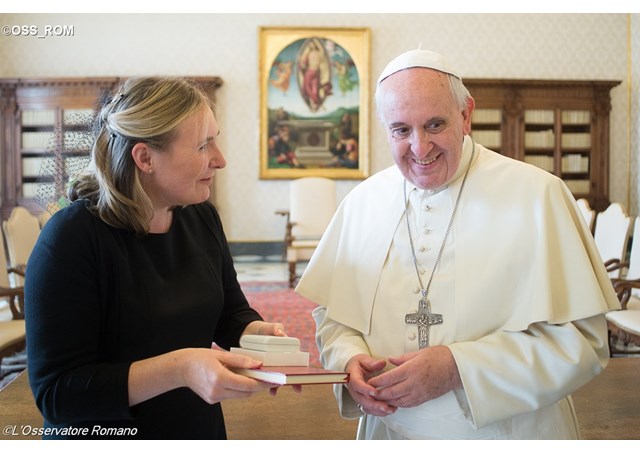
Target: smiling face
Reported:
[(425, 126), (183, 172)]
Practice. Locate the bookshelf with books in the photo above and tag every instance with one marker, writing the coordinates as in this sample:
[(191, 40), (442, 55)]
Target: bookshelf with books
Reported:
[(31, 111), (561, 126), (487, 127), (37, 115), (488, 118)]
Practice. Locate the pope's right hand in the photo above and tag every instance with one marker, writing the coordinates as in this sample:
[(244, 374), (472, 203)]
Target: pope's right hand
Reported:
[(361, 368)]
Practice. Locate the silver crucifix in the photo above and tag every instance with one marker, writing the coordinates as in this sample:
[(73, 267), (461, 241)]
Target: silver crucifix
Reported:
[(424, 319)]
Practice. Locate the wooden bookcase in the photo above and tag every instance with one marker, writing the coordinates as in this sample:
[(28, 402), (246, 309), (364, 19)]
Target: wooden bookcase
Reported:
[(561, 126), (31, 110)]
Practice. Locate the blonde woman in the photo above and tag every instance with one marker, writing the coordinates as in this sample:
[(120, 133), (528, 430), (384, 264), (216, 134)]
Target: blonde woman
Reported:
[(131, 291)]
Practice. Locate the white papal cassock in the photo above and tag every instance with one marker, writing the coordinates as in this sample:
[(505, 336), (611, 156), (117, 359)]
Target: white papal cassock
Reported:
[(521, 288)]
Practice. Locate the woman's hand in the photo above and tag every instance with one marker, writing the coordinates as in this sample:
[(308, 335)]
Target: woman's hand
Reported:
[(207, 373), (265, 328), (273, 391), (269, 328)]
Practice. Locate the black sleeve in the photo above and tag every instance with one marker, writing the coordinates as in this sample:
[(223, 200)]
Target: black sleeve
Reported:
[(69, 380)]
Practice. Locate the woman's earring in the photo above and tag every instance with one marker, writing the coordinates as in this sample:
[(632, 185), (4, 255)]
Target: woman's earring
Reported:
[(150, 170)]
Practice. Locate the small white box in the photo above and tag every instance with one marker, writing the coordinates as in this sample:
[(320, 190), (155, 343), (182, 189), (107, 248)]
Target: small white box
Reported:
[(270, 343)]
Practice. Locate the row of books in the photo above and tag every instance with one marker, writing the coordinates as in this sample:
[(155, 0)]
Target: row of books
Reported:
[(546, 139), (29, 189), (38, 117), (41, 140), (539, 139), (38, 140), (571, 163), (77, 117), (544, 162), (539, 116), (576, 117), (486, 116), (578, 186), (70, 117), (32, 166), (490, 139), (548, 116), (575, 163), (576, 140)]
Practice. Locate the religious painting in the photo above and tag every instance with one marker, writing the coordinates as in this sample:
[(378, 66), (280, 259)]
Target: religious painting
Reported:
[(314, 102)]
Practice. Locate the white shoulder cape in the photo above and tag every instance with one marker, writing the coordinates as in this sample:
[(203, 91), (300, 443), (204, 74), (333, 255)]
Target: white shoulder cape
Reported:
[(523, 251)]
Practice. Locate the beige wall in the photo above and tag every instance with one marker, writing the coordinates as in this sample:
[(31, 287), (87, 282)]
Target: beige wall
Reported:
[(633, 115), (552, 46)]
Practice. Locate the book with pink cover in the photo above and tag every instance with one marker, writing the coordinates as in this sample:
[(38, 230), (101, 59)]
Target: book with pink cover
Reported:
[(289, 375)]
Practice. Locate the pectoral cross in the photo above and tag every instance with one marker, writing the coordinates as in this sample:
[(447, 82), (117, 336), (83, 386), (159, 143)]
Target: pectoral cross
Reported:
[(424, 319)]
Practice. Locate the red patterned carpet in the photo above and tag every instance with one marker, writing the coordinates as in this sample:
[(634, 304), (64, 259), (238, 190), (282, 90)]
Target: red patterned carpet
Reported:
[(276, 302)]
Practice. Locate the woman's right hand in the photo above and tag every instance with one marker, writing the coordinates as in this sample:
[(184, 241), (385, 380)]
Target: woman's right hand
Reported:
[(207, 373)]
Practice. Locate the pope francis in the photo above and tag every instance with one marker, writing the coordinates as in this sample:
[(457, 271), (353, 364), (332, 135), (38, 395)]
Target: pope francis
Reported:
[(461, 289)]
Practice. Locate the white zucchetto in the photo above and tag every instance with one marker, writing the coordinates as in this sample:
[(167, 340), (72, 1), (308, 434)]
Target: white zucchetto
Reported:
[(418, 59)]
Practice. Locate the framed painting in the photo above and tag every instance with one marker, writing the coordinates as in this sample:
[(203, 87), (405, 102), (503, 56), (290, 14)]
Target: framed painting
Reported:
[(314, 102)]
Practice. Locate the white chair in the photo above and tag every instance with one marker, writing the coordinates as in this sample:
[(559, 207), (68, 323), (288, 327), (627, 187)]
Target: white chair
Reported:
[(21, 231), (312, 203), (611, 236), (12, 330), (43, 218), (588, 213), (624, 324)]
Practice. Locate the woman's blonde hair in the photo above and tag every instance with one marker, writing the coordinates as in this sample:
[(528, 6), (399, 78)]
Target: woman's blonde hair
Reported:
[(142, 110)]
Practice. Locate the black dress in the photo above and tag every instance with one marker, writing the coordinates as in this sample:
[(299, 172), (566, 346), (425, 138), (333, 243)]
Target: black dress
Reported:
[(98, 298)]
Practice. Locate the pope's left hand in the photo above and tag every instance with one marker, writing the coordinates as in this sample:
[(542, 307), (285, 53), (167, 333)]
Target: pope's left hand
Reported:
[(418, 377)]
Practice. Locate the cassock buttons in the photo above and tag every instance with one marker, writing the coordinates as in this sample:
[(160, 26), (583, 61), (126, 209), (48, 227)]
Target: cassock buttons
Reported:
[(422, 248), (427, 207), (416, 290), (412, 336)]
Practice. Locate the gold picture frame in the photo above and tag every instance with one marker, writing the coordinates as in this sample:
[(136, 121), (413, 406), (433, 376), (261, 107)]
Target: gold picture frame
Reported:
[(314, 102)]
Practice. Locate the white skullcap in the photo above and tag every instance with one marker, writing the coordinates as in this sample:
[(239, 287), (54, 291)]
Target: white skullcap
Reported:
[(418, 59)]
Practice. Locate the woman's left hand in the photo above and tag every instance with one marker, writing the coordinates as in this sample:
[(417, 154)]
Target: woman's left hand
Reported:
[(265, 328), (269, 328)]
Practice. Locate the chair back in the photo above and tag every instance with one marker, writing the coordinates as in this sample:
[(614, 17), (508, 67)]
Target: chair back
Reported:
[(612, 233), (312, 203), (13, 294), (633, 273), (43, 218), (4, 263), (588, 213), (21, 232)]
